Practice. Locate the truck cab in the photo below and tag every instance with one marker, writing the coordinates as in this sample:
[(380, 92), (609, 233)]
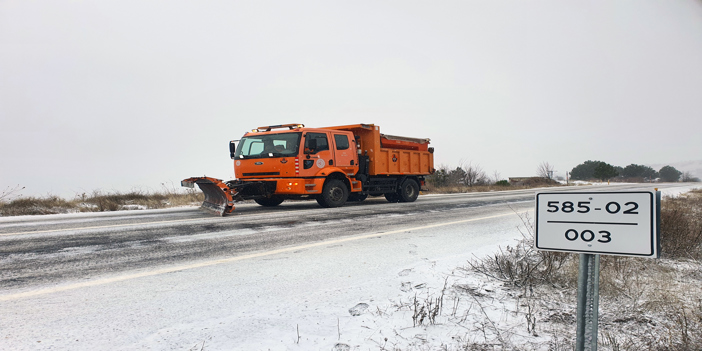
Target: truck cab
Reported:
[(295, 161)]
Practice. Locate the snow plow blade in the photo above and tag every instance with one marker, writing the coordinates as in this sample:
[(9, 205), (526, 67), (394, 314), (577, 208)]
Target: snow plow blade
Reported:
[(218, 196)]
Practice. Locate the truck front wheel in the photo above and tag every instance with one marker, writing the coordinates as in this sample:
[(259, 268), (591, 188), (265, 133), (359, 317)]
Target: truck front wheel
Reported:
[(409, 190), (334, 194)]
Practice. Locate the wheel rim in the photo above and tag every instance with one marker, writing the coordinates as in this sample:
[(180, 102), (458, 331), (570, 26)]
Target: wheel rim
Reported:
[(409, 191), (336, 194)]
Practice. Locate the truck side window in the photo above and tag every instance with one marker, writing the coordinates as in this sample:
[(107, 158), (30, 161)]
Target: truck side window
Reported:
[(342, 142), (316, 142)]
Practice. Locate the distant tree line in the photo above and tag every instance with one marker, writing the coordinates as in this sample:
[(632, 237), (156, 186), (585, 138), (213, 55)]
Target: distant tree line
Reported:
[(604, 171), (468, 174)]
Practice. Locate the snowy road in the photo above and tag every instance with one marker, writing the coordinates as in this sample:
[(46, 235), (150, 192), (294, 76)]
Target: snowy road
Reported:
[(53, 249), (262, 278)]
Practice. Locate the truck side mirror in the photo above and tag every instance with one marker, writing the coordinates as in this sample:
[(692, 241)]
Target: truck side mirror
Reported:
[(232, 149)]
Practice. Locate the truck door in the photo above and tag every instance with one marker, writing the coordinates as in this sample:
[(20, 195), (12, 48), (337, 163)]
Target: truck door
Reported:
[(317, 153), (344, 151)]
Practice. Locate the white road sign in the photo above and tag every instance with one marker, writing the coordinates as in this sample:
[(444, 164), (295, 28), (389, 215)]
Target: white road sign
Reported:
[(608, 223)]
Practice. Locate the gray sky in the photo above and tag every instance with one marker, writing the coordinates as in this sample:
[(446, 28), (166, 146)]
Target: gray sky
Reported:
[(121, 95)]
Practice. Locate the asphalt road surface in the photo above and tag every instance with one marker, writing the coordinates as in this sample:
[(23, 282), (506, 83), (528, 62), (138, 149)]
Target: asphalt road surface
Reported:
[(46, 250)]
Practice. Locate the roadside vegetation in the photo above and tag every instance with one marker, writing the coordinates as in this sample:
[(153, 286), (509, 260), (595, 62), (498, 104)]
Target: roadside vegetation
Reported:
[(525, 183), (632, 173), (469, 177), (523, 299), (12, 204)]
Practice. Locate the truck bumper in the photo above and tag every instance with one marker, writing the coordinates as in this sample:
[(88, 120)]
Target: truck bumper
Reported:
[(299, 186)]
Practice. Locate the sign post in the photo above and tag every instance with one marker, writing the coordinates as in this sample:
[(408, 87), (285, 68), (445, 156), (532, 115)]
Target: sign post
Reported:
[(588, 302), (594, 223)]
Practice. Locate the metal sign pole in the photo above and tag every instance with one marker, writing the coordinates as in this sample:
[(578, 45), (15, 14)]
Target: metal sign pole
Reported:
[(595, 301), (588, 302)]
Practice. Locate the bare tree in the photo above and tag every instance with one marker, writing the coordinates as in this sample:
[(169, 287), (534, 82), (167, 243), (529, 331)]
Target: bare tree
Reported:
[(688, 177), (10, 192), (474, 174), (545, 170), (496, 177)]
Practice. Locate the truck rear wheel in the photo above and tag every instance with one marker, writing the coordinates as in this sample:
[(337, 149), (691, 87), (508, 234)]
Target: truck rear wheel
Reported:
[(409, 190), (269, 201), (392, 197), (334, 194)]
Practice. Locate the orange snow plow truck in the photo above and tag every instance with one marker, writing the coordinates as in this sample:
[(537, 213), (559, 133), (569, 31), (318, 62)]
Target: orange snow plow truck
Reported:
[(331, 165)]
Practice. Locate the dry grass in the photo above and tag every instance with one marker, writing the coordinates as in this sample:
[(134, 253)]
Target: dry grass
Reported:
[(522, 265), (482, 188), (646, 304), (681, 226), (99, 202), (33, 205)]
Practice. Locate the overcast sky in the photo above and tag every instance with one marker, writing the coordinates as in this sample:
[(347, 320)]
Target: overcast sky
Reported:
[(122, 95)]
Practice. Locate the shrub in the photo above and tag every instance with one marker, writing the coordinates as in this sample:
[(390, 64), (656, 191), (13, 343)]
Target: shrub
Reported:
[(32, 206), (522, 265), (655, 303), (99, 202), (681, 226), (534, 182)]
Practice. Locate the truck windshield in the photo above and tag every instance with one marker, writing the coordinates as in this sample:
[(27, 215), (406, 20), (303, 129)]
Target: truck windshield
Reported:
[(269, 145)]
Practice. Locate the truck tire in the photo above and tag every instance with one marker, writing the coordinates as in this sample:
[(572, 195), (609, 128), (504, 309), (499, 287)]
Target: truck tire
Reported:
[(334, 194), (269, 201), (409, 190), (357, 197), (392, 197)]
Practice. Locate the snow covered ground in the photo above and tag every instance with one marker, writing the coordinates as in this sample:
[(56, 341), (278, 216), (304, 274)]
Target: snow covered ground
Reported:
[(298, 298), (400, 290)]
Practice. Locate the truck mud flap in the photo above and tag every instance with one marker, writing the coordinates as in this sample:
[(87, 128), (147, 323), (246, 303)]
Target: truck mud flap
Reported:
[(218, 196)]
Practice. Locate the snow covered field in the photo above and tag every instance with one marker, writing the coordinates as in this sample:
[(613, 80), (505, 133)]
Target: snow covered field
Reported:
[(394, 290)]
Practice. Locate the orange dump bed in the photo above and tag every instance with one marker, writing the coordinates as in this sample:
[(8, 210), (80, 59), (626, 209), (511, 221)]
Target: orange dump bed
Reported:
[(392, 155), (403, 143)]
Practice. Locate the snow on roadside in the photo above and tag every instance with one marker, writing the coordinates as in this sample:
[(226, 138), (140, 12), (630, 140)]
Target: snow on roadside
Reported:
[(683, 188), (442, 310), (441, 306), (449, 308)]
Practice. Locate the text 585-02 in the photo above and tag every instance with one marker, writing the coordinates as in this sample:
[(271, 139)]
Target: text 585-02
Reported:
[(612, 207)]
